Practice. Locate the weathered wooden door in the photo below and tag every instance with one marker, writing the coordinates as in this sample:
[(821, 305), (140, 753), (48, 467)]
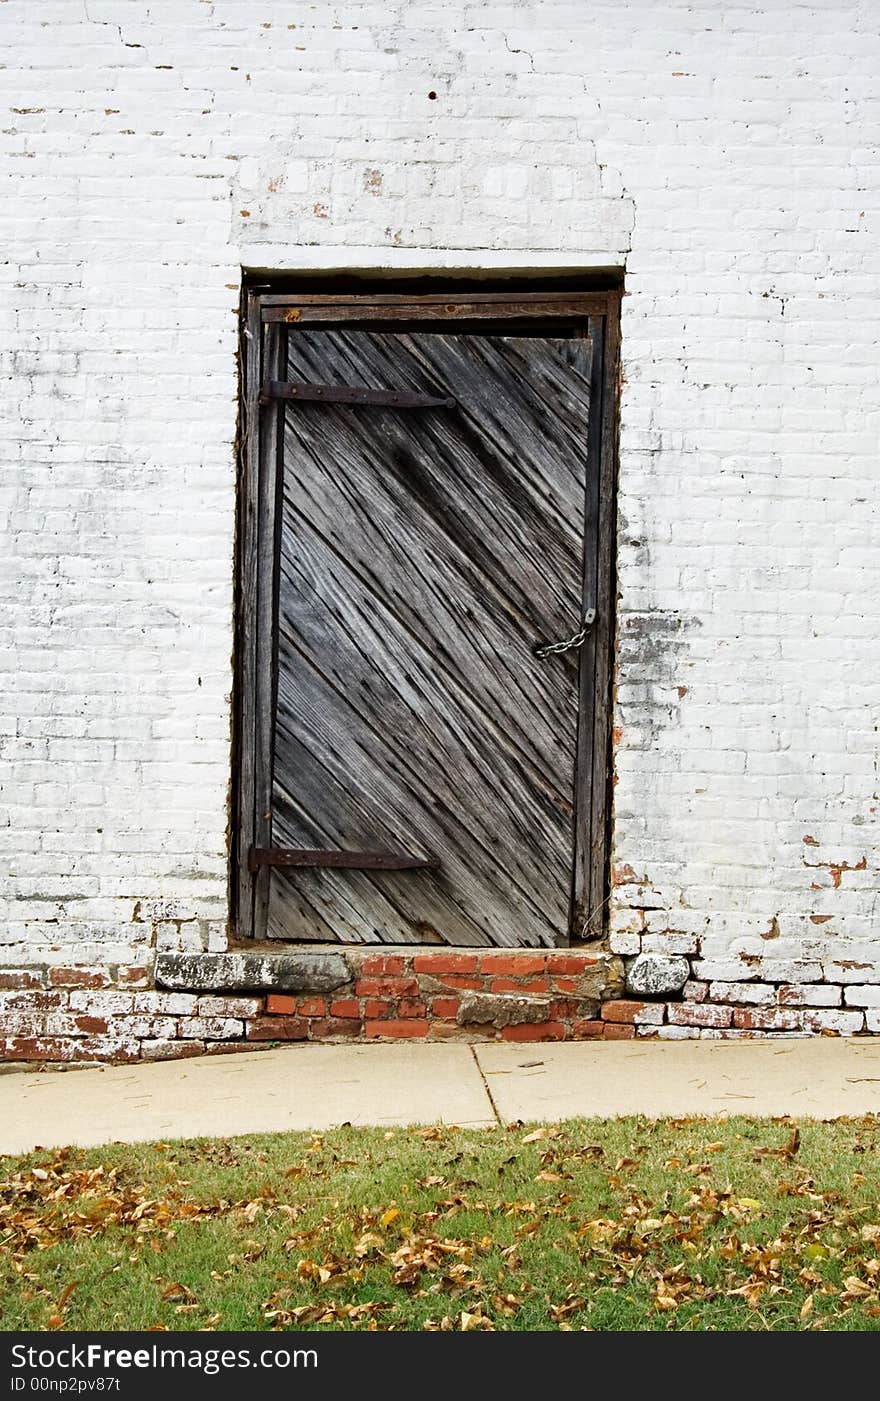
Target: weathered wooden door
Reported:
[(433, 522)]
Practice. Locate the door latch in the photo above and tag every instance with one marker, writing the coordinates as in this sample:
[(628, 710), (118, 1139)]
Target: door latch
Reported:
[(568, 644)]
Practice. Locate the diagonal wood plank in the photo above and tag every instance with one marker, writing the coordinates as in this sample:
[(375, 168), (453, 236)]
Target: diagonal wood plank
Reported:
[(392, 761), (422, 556)]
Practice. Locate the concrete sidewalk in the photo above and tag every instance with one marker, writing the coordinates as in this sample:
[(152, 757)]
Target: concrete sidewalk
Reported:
[(322, 1086)]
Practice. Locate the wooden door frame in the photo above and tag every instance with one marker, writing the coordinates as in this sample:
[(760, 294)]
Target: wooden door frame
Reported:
[(260, 443)]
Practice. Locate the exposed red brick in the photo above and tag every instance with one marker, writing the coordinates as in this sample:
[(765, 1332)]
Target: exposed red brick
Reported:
[(410, 1007), (564, 1008), (566, 985), (450, 1031), (519, 985), (621, 1011), (768, 1018), (386, 987), (445, 963), (383, 963), (65, 1048), (618, 1031), (520, 965), (133, 976), (345, 1007), (277, 1029), (379, 1007), (312, 1007), (78, 978), (31, 1002), (568, 962), (279, 1003), (398, 1028), (172, 1050), (319, 1029), (13, 979), (534, 1031), (583, 1030), (37, 1048), (92, 1026), (621, 874), (698, 1014), (445, 1007)]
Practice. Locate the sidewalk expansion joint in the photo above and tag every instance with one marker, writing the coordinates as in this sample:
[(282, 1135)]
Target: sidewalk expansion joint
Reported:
[(489, 1095)]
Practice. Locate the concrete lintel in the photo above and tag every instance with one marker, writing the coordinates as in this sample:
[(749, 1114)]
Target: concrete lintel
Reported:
[(275, 258)]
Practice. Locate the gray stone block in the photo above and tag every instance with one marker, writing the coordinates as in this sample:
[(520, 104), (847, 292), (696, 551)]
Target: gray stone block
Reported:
[(657, 974), (501, 1009), (253, 972)]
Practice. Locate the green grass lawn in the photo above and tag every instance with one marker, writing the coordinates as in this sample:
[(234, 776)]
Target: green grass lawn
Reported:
[(610, 1225)]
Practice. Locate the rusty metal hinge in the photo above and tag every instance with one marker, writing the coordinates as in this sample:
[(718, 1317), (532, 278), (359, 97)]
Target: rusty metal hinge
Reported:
[(275, 389), (341, 860)]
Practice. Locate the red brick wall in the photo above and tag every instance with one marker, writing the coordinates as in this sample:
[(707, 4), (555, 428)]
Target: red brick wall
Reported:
[(87, 1014), (447, 996)]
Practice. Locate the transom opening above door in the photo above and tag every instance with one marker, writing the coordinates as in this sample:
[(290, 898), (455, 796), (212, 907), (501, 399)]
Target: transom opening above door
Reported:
[(424, 628)]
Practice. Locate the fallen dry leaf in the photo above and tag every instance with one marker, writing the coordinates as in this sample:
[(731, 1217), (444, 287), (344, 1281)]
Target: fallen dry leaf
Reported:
[(368, 1244), (786, 1152), (176, 1293)]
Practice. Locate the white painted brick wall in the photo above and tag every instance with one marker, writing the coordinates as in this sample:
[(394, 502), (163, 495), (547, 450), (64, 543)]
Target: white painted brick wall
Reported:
[(724, 154)]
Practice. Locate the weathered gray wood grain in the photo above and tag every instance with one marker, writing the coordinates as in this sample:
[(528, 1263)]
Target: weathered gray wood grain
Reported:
[(602, 708), (303, 308), (271, 437), (582, 884), (421, 558)]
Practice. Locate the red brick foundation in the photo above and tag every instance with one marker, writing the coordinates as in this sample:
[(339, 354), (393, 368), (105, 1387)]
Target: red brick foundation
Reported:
[(451, 995), (120, 1015)]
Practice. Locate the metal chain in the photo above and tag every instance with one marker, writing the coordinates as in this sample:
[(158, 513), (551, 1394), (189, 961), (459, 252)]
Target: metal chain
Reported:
[(570, 644)]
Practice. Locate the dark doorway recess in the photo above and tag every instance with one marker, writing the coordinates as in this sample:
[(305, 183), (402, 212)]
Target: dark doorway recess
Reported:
[(425, 616)]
